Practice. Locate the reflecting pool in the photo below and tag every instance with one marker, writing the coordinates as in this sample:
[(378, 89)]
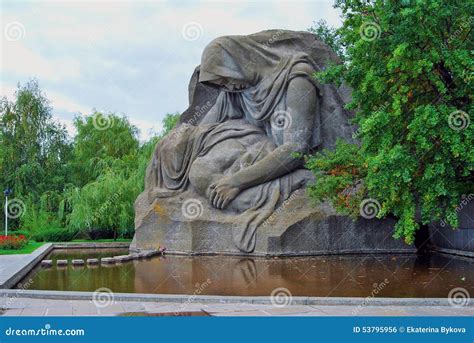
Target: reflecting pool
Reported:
[(431, 275)]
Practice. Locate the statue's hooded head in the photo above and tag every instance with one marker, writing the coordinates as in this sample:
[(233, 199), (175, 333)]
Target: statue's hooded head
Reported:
[(235, 63)]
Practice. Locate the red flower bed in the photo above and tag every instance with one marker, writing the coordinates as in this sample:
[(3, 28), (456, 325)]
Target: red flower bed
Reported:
[(13, 242)]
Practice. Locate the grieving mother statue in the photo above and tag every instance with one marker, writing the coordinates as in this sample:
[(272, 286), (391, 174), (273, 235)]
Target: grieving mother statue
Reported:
[(244, 156), (271, 89)]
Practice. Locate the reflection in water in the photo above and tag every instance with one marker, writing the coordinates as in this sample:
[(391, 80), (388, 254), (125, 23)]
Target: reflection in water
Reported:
[(353, 275), (245, 271)]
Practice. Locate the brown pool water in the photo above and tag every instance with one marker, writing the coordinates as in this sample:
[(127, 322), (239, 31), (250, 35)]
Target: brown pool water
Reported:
[(432, 275)]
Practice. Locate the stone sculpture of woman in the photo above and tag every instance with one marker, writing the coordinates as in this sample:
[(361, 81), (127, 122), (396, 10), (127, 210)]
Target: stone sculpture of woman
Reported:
[(271, 89), (243, 157)]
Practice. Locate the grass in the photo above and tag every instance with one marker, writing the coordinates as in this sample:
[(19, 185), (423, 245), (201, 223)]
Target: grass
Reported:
[(27, 249)]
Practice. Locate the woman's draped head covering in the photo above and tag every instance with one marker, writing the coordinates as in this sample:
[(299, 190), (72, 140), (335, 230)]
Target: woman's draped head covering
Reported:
[(237, 58), (265, 64)]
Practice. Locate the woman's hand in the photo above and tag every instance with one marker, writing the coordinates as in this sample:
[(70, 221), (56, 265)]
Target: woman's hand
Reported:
[(223, 192)]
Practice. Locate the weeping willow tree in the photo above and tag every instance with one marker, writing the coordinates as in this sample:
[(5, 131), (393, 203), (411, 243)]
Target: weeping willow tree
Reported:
[(113, 176), (79, 188)]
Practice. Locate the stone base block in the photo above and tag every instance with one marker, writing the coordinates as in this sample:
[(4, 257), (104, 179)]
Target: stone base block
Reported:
[(295, 228)]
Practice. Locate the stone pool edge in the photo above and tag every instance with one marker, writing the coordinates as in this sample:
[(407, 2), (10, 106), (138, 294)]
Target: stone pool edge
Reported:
[(91, 245), (22, 264), (218, 299)]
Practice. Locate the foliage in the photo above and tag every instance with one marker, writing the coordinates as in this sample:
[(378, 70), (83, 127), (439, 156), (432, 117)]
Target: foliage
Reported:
[(13, 242), (53, 234), (104, 206), (101, 141), (79, 188), (410, 66), (330, 36), (33, 147), (41, 214), (339, 174), (169, 122)]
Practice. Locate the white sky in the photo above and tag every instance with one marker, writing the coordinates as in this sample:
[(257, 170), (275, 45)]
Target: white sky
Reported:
[(130, 57)]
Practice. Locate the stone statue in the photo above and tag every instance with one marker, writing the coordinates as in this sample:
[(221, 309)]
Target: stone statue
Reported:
[(231, 166)]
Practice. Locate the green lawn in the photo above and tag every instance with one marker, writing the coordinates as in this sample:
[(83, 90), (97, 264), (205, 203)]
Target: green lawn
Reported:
[(30, 247)]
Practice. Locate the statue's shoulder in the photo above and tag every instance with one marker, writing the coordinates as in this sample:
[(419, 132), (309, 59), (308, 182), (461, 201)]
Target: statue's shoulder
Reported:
[(303, 67)]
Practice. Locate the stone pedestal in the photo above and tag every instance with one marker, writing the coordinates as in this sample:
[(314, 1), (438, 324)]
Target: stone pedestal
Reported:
[(295, 228)]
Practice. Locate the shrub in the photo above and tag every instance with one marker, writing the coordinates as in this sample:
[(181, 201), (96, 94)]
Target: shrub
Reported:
[(339, 177), (54, 235), (13, 242)]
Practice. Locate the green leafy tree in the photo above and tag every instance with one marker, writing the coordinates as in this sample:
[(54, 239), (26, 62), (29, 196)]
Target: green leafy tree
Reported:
[(330, 36), (169, 122), (101, 141), (80, 188), (102, 205), (410, 66), (34, 150)]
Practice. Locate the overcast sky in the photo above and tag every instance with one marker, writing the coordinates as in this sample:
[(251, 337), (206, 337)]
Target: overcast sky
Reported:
[(133, 58)]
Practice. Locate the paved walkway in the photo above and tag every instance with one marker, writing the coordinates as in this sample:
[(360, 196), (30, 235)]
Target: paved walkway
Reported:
[(47, 307), (14, 267)]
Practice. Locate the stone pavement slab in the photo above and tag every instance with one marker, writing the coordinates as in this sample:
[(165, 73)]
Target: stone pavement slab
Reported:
[(14, 267), (60, 307)]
